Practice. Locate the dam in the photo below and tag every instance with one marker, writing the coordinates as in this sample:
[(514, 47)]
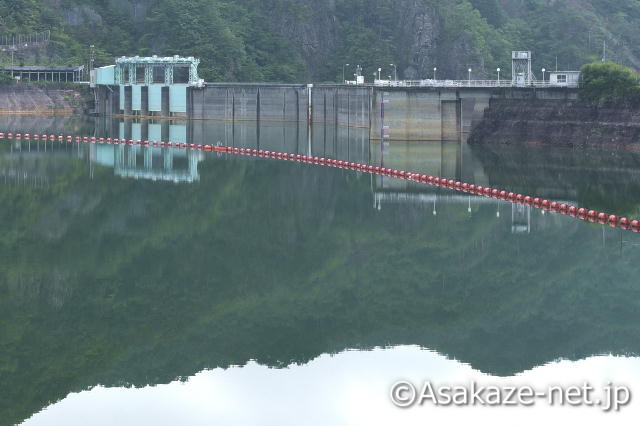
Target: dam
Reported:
[(154, 88)]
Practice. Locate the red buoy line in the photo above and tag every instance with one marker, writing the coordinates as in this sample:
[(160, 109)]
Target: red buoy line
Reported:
[(538, 203)]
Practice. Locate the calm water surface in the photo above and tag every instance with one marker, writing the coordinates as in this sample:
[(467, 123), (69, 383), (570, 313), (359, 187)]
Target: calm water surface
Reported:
[(141, 286)]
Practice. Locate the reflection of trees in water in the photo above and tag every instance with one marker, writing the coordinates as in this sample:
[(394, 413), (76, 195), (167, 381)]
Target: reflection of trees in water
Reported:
[(282, 262)]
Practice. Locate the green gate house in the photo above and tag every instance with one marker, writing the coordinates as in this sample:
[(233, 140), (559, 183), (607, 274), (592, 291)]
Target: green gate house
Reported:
[(145, 86)]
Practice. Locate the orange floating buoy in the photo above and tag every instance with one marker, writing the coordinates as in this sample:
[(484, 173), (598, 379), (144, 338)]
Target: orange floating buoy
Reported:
[(582, 213), (613, 221), (635, 226), (555, 206), (624, 223), (573, 211), (207, 148)]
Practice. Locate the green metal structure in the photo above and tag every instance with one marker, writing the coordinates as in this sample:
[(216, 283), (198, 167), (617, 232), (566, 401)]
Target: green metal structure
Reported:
[(150, 85)]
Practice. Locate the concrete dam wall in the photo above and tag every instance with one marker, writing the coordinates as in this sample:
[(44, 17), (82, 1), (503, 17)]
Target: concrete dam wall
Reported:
[(410, 114)]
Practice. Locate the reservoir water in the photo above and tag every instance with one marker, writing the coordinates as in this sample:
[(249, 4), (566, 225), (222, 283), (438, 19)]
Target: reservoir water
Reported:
[(140, 286)]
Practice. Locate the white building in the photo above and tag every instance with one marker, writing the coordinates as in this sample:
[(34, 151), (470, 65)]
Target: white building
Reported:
[(564, 78)]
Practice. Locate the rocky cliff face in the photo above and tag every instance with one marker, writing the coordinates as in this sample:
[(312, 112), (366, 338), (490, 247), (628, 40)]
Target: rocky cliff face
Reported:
[(568, 123), (41, 99), (414, 29)]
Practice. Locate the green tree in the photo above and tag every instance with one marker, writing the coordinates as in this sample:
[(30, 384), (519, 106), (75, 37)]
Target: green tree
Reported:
[(606, 81)]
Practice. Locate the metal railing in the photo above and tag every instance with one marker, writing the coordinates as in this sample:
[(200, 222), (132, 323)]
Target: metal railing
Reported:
[(24, 41), (467, 83)]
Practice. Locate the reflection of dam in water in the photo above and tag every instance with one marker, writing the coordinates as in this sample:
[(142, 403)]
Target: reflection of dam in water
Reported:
[(322, 139), (134, 161), (449, 159)]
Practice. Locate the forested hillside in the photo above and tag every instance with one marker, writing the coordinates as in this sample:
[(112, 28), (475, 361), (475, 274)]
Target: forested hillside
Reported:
[(296, 40)]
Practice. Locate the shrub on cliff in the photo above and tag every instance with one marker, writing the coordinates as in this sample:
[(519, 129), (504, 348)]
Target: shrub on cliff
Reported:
[(610, 82)]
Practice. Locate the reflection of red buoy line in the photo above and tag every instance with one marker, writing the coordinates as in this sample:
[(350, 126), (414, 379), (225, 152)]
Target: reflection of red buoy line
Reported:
[(565, 209)]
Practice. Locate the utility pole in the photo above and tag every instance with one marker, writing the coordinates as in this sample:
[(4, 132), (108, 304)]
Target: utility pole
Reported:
[(92, 57), (13, 48), (604, 50)]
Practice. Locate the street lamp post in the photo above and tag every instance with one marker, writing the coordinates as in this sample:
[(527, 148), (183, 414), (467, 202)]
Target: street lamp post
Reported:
[(543, 71), (434, 72), (379, 71), (469, 76), (498, 76), (343, 79), (395, 72)]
